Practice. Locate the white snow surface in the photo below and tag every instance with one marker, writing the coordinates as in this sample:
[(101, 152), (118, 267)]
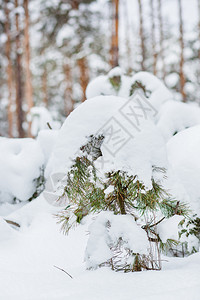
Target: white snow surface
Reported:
[(183, 154), (28, 257)]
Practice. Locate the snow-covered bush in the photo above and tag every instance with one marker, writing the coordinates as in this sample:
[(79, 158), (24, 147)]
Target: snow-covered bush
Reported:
[(117, 84), (22, 162), (126, 180)]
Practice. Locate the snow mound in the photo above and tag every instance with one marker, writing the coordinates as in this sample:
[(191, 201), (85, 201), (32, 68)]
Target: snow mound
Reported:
[(159, 93), (134, 149), (176, 116), (20, 161), (102, 85), (183, 154)]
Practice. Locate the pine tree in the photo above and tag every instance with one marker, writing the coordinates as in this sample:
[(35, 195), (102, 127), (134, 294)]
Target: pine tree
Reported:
[(19, 84), (181, 71), (153, 37), (85, 192), (29, 88), (142, 37), (9, 71), (161, 37)]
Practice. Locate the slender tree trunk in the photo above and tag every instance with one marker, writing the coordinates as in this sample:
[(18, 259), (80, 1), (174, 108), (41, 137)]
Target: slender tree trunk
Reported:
[(29, 88), (19, 93), (198, 71), (199, 26), (9, 70), (44, 87), (69, 102), (161, 38), (129, 58), (84, 76), (153, 38), (115, 34), (141, 32), (181, 74)]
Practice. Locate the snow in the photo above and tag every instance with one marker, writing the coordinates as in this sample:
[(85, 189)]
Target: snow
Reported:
[(115, 72), (168, 229), (141, 147), (159, 93), (46, 139), (27, 268), (103, 237), (39, 117), (29, 254), (101, 85), (176, 116), (183, 154), (20, 161)]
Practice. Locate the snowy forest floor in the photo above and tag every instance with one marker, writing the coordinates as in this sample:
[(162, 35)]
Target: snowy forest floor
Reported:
[(28, 257)]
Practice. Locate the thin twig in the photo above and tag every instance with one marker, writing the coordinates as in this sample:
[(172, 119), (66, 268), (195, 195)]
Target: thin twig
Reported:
[(63, 271), (12, 223), (49, 125)]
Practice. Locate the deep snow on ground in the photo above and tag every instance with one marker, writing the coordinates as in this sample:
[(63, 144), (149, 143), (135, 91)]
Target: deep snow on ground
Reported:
[(28, 256)]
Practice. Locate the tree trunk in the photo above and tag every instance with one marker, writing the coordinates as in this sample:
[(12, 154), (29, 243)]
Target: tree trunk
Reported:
[(115, 34), (141, 32), (69, 102), (9, 71), (29, 88), (161, 38), (199, 26), (181, 74), (19, 93), (44, 87), (153, 38), (84, 76), (128, 47)]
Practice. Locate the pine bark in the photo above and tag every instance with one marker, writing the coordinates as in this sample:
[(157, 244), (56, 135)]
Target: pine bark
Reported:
[(153, 39), (69, 102), (44, 87), (199, 26), (128, 47), (84, 75), (29, 88), (198, 71), (161, 39), (181, 71), (115, 34), (19, 92), (9, 70), (142, 39)]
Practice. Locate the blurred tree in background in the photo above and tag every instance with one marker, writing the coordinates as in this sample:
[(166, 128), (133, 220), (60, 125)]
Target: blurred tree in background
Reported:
[(50, 50)]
